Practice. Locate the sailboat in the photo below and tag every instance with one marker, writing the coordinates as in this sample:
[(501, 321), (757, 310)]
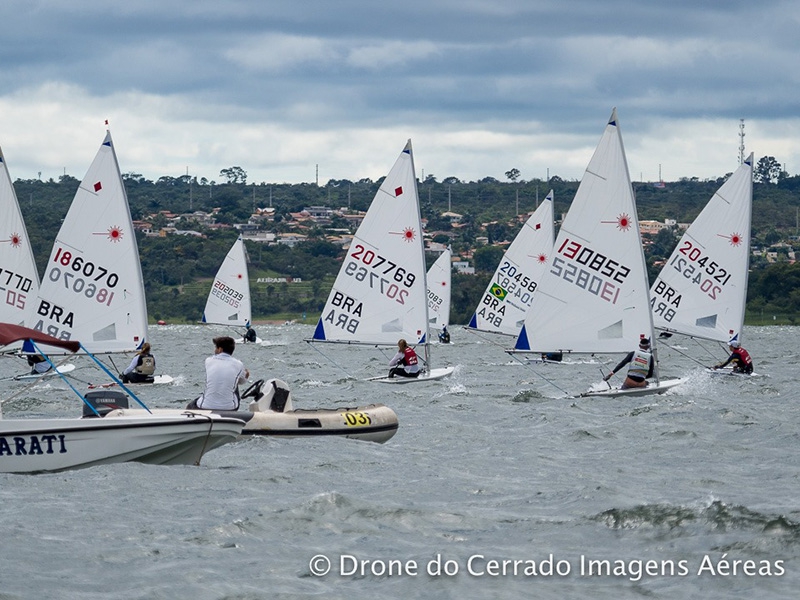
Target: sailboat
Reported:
[(229, 298), (19, 279), (93, 289), (702, 289), (380, 294), (108, 432), (439, 279), (595, 295), (509, 294)]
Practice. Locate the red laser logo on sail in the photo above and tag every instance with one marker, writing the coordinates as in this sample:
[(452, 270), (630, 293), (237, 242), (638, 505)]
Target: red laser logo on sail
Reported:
[(735, 239), (115, 234), (409, 235), (623, 222)]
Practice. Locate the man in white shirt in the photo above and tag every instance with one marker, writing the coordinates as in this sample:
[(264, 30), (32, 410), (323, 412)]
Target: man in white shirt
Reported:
[(224, 374)]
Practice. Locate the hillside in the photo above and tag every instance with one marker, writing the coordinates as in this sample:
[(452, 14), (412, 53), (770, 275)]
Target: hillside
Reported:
[(178, 269)]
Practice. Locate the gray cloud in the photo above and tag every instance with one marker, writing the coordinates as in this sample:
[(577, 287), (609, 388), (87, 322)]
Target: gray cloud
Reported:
[(539, 75)]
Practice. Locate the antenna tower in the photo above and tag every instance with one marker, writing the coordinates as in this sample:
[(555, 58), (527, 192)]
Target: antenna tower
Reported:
[(741, 141)]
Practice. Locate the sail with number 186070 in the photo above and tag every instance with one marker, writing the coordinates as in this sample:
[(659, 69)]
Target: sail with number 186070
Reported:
[(92, 288)]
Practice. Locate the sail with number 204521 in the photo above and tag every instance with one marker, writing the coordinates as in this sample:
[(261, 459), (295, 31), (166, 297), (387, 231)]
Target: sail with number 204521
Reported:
[(702, 289)]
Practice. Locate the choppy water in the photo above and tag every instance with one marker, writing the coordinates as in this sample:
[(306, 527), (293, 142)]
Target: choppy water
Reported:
[(491, 465)]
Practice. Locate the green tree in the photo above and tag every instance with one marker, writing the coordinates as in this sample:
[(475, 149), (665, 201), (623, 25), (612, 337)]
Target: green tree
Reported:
[(234, 175), (513, 175), (487, 258), (768, 170)]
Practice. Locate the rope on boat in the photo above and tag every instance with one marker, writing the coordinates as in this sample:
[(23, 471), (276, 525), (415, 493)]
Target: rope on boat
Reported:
[(513, 355), (338, 366)]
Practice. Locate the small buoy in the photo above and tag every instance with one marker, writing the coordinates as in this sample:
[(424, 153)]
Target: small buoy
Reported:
[(162, 322)]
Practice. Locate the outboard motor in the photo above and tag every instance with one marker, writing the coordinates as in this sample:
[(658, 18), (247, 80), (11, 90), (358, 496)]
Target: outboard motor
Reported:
[(104, 401), (277, 398)]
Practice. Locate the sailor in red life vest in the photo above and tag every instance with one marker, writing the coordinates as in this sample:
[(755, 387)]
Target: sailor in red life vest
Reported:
[(406, 362), (641, 366), (742, 363)]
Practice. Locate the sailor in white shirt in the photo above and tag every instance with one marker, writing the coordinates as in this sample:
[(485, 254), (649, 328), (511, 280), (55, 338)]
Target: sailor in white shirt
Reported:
[(224, 374)]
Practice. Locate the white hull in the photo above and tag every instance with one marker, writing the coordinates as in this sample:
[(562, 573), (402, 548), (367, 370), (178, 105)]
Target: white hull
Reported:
[(63, 369), (157, 380), (662, 387), (46, 445), (729, 372), (431, 375)]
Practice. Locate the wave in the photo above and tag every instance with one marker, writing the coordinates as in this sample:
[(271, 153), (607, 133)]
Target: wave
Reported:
[(714, 517)]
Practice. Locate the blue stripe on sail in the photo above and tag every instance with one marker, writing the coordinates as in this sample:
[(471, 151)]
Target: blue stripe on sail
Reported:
[(422, 341), (203, 320), (27, 346), (473, 322), (522, 340), (319, 332)]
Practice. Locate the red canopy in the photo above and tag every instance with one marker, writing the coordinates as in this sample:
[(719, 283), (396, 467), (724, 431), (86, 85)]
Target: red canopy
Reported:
[(14, 333)]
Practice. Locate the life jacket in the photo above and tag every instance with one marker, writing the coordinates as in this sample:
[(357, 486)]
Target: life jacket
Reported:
[(640, 364), (146, 366), (409, 357), (743, 356)]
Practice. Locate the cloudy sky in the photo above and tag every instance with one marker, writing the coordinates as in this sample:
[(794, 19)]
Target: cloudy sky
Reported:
[(282, 88)]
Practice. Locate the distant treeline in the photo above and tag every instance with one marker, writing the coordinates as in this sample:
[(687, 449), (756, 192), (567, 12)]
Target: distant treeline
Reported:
[(178, 269)]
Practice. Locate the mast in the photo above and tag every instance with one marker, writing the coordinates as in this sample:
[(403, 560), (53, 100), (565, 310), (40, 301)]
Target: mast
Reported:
[(424, 268)]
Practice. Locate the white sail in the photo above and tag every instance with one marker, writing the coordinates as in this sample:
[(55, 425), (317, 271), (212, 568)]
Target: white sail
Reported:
[(92, 289), (595, 295), (508, 296), (439, 278), (19, 279), (380, 295), (229, 299), (702, 289)]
